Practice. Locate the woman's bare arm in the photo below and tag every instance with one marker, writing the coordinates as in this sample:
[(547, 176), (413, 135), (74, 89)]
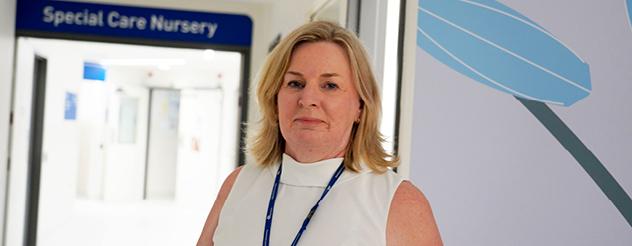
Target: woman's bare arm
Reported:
[(410, 219), (206, 238)]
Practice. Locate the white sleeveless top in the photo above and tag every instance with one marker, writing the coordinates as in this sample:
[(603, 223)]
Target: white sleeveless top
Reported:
[(354, 212)]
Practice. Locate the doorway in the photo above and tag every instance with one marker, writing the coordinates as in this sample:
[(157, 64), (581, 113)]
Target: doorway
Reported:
[(130, 150)]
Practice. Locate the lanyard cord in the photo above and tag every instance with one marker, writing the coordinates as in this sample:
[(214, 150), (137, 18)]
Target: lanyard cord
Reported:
[(275, 189)]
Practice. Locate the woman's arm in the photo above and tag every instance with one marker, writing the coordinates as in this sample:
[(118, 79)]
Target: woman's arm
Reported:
[(410, 219), (206, 238)]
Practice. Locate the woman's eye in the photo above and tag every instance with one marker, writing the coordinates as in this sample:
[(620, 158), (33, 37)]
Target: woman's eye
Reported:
[(330, 85), (295, 84)]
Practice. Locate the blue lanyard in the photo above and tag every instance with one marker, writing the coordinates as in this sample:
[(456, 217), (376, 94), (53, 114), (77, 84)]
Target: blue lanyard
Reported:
[(275, 189)]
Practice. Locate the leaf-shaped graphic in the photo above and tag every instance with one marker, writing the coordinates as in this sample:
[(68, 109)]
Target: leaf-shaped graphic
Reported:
[(503, 49), (499, 47)]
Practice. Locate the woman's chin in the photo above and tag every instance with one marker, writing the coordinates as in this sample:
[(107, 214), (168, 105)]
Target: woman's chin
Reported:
[(308, 139)]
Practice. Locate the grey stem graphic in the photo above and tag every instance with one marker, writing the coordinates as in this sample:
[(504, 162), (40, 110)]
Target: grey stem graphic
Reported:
[(583, 155)]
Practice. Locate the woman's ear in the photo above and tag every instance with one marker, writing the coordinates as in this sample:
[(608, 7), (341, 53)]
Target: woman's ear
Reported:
[(359, 111)]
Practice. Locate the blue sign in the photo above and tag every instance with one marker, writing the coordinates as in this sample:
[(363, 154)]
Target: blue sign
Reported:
[(70, 106), (115, 21), (93, 71)]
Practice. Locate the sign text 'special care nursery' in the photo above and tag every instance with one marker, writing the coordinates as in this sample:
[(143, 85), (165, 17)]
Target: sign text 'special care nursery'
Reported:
[(113, 19), (49, 18)]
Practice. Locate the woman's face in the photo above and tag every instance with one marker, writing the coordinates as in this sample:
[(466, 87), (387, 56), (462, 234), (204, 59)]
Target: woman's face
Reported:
[(318, 102)]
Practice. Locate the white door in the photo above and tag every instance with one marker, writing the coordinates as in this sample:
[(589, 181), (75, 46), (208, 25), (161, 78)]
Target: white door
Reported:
[(162, 146), (126, 145)]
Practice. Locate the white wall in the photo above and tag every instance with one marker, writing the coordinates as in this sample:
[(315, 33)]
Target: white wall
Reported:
[(60, 149), (372, 32), (492, 172), (7, 42), (16, 204), (286, 15), (91, 117)]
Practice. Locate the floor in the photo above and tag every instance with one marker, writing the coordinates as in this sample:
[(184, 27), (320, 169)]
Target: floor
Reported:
[(127, 223)]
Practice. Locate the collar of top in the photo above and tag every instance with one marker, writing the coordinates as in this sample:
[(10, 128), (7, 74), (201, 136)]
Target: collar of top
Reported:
[(315, 174)]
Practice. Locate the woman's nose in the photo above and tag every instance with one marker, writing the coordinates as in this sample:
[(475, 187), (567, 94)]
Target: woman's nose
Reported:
[(310, 96)]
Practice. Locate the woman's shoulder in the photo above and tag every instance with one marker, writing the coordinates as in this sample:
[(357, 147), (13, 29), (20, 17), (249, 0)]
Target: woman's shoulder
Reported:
[(410, 218)]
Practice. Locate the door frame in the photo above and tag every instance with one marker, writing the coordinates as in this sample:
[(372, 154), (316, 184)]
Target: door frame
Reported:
[(36, 130)]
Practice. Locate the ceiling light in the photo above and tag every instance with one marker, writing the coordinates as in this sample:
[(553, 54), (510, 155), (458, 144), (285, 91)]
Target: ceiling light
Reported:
[(143, 62), (208, 54)]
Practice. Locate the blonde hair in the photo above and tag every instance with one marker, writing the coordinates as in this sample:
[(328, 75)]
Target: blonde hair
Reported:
[(365, 143)]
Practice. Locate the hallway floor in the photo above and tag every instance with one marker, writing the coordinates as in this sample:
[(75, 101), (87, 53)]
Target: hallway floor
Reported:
[(126, 223)]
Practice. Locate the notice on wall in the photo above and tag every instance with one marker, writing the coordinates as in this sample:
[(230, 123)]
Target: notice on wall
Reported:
[(70, 106)]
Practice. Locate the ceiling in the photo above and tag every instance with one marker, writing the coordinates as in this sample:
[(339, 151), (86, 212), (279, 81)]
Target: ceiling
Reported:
[(170, 66)]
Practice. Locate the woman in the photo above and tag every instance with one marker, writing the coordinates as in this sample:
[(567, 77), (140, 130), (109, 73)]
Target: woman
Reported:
[(322, 177)]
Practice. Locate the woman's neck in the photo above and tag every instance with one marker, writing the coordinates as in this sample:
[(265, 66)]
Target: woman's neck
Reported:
[(306, 155)]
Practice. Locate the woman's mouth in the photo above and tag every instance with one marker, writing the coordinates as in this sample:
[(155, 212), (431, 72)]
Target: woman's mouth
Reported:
[(308, 120)]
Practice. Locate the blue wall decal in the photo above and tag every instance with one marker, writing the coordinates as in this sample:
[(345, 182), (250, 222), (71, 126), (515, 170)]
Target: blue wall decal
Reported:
[(503, 49), (499, 47), (70, 106)]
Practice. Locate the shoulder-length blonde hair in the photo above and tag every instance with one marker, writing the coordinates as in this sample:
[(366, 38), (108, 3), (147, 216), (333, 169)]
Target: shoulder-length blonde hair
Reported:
[(365, 143)]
